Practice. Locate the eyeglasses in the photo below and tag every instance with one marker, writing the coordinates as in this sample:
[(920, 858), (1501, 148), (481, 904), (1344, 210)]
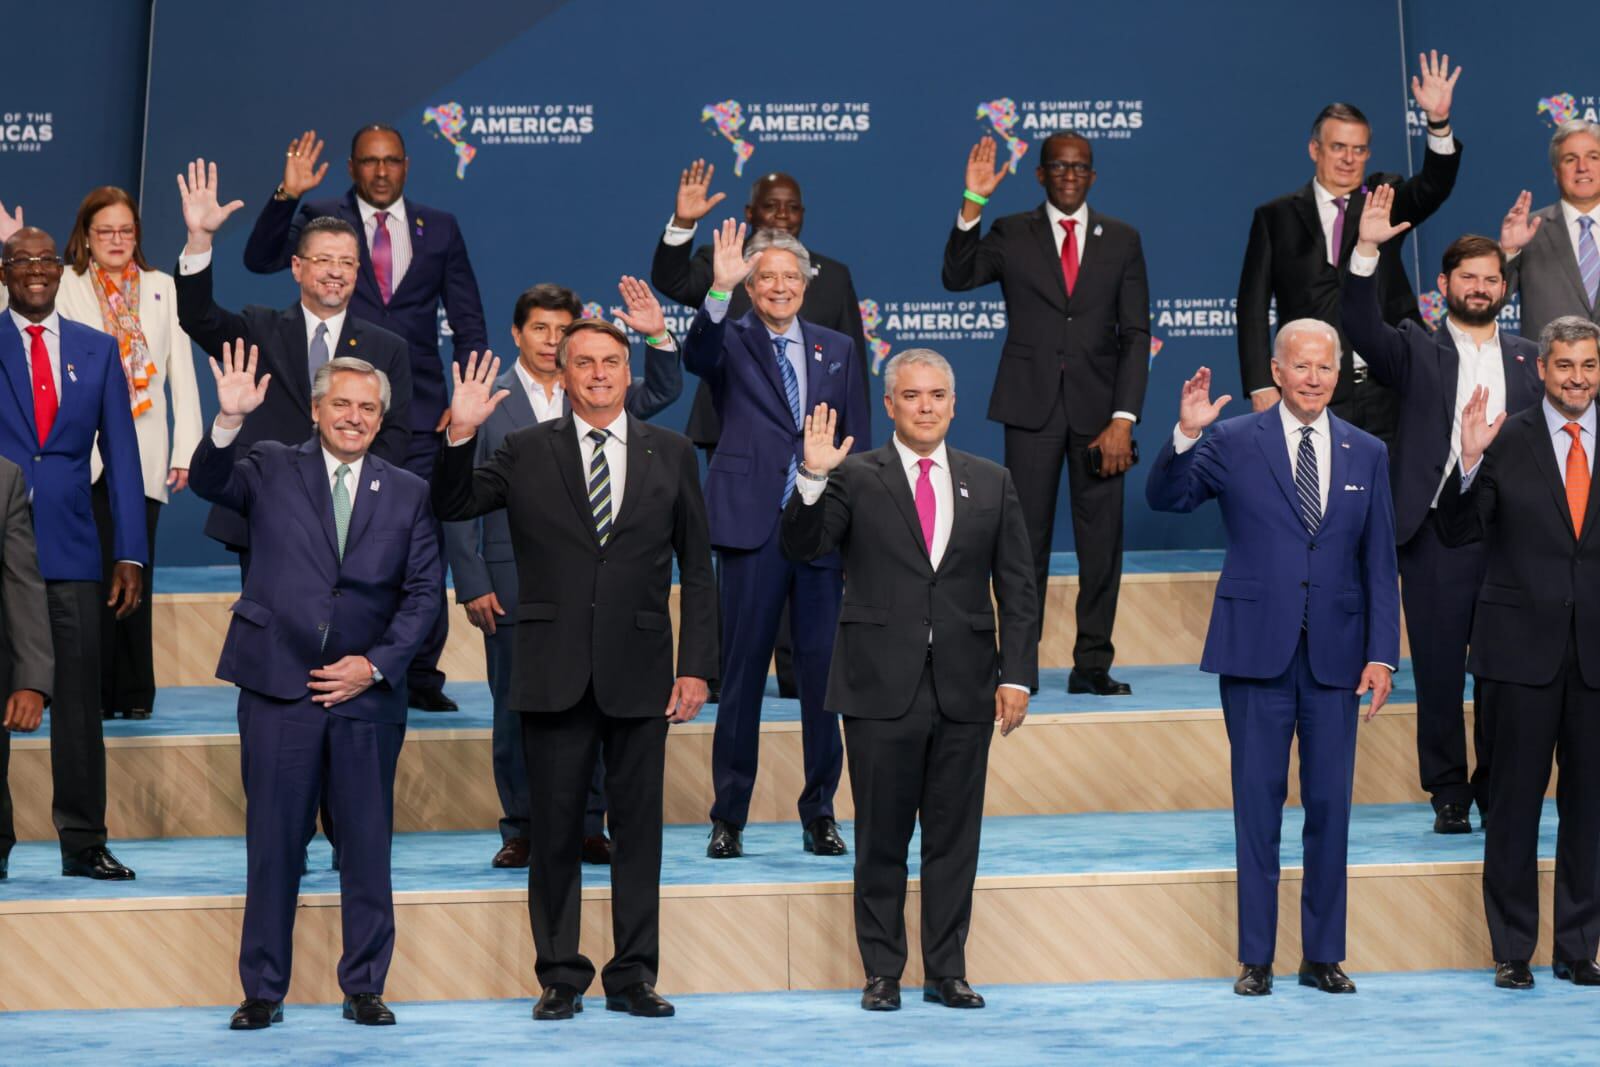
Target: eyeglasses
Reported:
[(114, 233), (342, 262), (392, 162), (44, 263), (1061, 166)]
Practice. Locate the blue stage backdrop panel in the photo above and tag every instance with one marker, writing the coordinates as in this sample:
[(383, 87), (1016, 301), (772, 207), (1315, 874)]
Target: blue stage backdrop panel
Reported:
[(579, 116)]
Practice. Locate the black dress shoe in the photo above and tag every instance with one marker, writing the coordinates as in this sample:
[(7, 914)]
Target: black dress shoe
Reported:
[(639, 999), (1453, 819), (5, 867), (1578, 972), (430, 698), (513, 853), (559, 1001), (95, 862), (1513, 974), (1255, 980), (368, 1009), (256, 1014), (822, 837), (1328, 977), (136, 713), (1100, 683), (881, 994), (597, 850), (951, 992), (727, 841)]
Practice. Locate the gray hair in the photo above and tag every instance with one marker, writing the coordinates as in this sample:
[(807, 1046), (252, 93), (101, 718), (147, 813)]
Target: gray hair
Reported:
[(1570, 129), (783, 241), (916, 357), (350, 365), (1290, 330), (1569, 330)]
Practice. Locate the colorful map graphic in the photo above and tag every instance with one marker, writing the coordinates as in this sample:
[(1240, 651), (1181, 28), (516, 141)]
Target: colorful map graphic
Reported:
[(729, 119), (1433, 307), (594, 310), (1562, 107), (1156, 345), (1002, 116), (451, 121), (871, 319)]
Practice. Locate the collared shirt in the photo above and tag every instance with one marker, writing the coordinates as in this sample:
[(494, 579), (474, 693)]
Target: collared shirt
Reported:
[(335, 324), (1560, 440), (546, 406), (1575, 228), (1328, 213), (1321, 444), (616, 447), (1477, 365), (399, 236), (794, 349), (52, 345), (352, 477)]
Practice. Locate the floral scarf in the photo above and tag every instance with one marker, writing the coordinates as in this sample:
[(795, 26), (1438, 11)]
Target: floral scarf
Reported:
[(119, 310)]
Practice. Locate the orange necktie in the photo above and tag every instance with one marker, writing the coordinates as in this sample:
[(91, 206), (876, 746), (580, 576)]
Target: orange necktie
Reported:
[(1577, 477)]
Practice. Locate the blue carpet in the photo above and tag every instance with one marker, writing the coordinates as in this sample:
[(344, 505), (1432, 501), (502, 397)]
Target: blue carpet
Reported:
[(1438, 1017), (1018, 845)]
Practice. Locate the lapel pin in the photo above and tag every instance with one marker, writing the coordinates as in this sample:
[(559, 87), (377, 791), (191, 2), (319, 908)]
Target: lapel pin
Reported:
[(156, 295), (964, 491), (1098, 231), (374, 485), (1344, 444), (1519, 359), (816, 353), (72, 372)]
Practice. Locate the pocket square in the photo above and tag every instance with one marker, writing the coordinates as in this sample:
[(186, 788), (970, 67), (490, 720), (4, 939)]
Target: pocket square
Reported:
[(833, 368), (1355, 489)]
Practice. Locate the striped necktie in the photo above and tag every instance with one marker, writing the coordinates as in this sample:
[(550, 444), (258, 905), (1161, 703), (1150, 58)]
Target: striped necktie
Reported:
[(791, 393), (1306, 482), (1588, 258), (600, 487)]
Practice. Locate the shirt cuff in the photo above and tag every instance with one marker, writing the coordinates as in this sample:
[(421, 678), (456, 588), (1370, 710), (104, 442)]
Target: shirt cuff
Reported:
[(1392, 668), (676, 235), (965, 224), (716, 308), (1182, 442), (810, 489), (1130, 416), (222, 437), (1443, 146), (453, 443), (135, 562), (1014, 685), (1468, 476), (194, 262), (1363, 266)]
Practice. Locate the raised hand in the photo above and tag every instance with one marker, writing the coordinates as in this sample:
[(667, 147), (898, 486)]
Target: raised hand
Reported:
[(300, 170), (202, 213), (238, 392), (1477, 432), (9, 224), (821, 454), (1436, 86), (1375, 225), (642, 313), (982, 175), (728, 265), (1196, 410), (475, 396), (693, 204), (1519, 225)]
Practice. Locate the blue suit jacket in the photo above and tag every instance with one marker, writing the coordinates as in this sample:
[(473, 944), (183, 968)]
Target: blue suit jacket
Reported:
[(440, 272), (94, 399), (302, 606), (744, 480), (1347, 568)]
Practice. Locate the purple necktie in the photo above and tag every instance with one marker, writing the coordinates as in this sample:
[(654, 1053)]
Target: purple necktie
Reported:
[(925, 506), (383, 256), (1339, 203)]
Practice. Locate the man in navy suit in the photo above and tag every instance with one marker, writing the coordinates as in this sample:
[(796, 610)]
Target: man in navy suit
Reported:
[(413, 259), (339, 596), (1306, 620), (480, 552), (1433, 375), (67, 387), (764, 369)]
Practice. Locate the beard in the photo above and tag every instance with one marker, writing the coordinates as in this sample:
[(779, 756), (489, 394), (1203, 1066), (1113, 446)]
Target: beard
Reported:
[(1474, 316)]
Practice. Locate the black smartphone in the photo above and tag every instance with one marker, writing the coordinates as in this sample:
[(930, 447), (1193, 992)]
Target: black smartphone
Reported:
[(1094, 458)]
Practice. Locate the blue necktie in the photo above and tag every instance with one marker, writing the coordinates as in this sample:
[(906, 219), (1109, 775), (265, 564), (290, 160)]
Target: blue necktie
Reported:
[(1306, 482), (317, 354), (1588, 258), (600, 487), (791, 392)]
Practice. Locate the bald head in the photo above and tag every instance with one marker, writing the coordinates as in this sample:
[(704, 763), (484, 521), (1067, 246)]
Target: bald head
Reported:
[(25, 234), (775, 204)]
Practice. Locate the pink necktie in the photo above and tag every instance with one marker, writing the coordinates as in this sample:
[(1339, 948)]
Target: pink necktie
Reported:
[(383, 256), (925, 507)]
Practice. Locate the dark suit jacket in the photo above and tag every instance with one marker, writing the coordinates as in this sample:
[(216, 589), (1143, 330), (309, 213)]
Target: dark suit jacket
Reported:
[(1543, 581), (440, 272), (27, 660), (93, 401), (1097, 341), (302, 606), (479, 550), (1287, 258), (1546, 273), (894, 595), (1348, 565), (586, 614), (744, 479), (285, 415), (1421, 367), (830, 302)]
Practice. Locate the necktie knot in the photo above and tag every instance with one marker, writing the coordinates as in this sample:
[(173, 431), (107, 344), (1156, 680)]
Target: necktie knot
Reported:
[(36, 332), (1573, 430), (341, 470), (780, 347), (1586, 222), (1069, 225), (598, 437), (1341, 202), (1306, 432), (382, 219), (926, 465)]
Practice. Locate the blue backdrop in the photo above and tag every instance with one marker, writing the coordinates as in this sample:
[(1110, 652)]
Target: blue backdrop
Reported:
[(580, 116)]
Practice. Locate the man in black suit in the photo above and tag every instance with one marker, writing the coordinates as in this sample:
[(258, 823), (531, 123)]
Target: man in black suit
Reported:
[(1439, 584), (293, 342), (1534, 633), (1072, 373), (1299, 250), (599, 504), (920, 692)]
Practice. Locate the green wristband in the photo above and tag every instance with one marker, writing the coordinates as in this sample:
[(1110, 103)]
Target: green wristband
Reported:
[(968, 194), (654, 342), (717, 294)]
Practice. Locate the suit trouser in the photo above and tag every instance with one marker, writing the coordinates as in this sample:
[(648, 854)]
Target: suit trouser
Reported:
[(1439, 588), (510, 769), (127, 663), (923, 762), (1527, 725), (1263, 716), (424, 672), (561, 748), (1035, 458), (288, 751), (755, 584)]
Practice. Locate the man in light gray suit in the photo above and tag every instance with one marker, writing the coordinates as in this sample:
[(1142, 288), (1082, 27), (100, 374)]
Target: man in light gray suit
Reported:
[(1553, 254), (27, 664), (479, 550)]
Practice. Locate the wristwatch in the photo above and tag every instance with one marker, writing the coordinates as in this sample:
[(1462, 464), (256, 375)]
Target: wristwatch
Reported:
[(280, 193), (810, 475)]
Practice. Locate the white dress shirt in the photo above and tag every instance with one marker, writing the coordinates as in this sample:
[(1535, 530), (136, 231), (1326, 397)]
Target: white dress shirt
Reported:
[(52, 344), (616, 447), (1560, 439), (399, 236), (794, 350), (1321, 444), (1575, 228), (546, 406)]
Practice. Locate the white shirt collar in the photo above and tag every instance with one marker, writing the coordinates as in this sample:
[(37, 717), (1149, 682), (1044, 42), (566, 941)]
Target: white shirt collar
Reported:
[(908, 458), (396, 210), (1055, 215), (1325, 198), (51, 323), (332, 462), (1555, 420), (1292, 426), (1571, 214), (1463, 341), (531, 384), (335, 325), (617, 429)]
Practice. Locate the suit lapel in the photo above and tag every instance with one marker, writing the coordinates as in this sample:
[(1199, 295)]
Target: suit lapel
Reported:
[(1269, 436), (960, 503), (894, 480), (1352, 226), (314, 476), (363, 500), (1338, 468), (1566, 254), (1450, 368), (1544, 458), (1045, 241), (1593, 503), (564, 445), (517, 405), (1522, 379), (753, 333), (816, 365), (641, 454), (1305, 206), (73, 394), (296, 350), (14, 364)]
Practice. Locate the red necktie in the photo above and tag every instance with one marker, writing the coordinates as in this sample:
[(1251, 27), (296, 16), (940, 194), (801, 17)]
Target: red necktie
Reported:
[(383, 256), (1069, 254), (1577, 477), (44, 383)]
